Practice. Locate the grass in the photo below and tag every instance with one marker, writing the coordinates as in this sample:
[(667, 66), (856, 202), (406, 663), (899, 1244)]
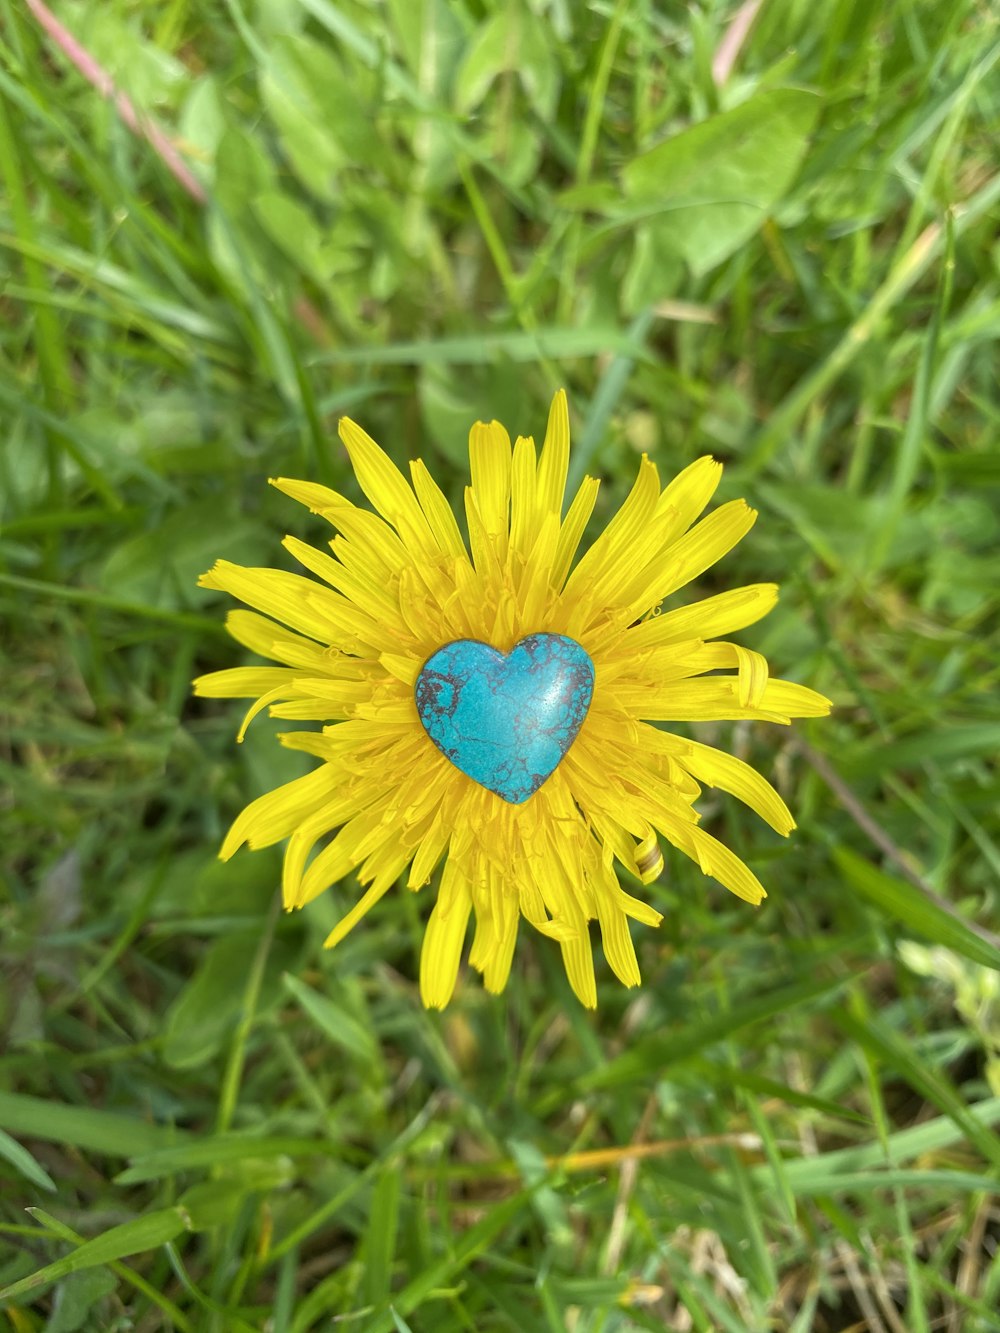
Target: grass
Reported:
[(426, 214)]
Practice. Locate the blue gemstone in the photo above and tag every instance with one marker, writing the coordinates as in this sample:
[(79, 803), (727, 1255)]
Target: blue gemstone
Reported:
[(506, 720)]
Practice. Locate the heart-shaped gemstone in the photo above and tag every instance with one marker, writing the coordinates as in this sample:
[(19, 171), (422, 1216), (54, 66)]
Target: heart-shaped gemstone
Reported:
[(506, 720)]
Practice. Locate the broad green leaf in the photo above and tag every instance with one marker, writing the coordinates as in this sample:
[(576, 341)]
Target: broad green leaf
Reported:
[(432, 37), (294, 231), (207, 1009), (238, 246), (243, 170), (451, 400), (198, 884), (75, 1300), (135, 1237), (142, 67), (340, 1026), (202, 121), (712, 186), (161, 566), (512, 41), (603, 197), (319, 111), (655, 269), (920, 914), (515, 148), (276, 17)]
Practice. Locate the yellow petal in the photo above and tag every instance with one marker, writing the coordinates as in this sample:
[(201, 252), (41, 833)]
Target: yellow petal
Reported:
[(618, 947), (638, 910), (496, 963), (320, 499), (716, 768), (486, 547), (273, 591), (613, 551), (649, 858), (332, 863), (523, 497), (437, 511), (277, 813), (490, 462), (258, 706), (787, 696), (554, 461), (708, 542), (306, 606), (405, 669), (243, 682), (386, 488), (363, 591), (381, 545), (578, 959), (717, 860), (717, 699), (302, 841), (269, 639), (432, 847), (709, 618), (385, 865), (688, 494), (347, 923), (689, 556), (389, 710), (442, 946), (752, 675), (328, 867), (308, 709), (572, 529), (372, 547), (535, 589)]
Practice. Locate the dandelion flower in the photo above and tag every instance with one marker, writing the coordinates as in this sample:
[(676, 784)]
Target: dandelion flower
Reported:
[(490, 708)]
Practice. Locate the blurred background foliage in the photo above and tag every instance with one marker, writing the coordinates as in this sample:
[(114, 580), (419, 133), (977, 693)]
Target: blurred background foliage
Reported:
[(765, 232)]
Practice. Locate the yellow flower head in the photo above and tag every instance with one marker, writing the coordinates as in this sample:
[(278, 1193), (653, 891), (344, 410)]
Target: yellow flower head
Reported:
[(389, 799)]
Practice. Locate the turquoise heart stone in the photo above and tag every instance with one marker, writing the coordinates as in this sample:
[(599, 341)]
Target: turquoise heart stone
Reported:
[(506, 720)]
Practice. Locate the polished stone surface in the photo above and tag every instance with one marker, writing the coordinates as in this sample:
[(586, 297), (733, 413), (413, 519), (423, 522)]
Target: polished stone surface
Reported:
[(506, 720)]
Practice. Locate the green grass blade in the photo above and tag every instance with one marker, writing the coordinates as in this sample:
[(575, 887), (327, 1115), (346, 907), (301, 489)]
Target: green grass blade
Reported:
[(915, 910), (85, 1127), (22, 1161), (135, 1237)]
